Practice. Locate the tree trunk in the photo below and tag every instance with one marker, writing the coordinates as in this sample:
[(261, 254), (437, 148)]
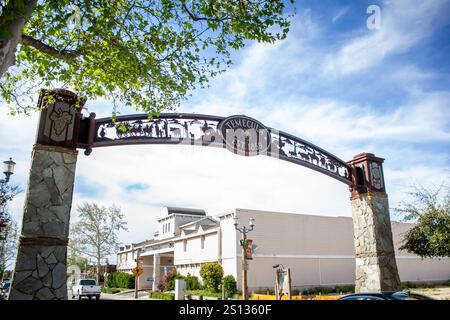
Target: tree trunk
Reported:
[(98, 272), (15, 27)]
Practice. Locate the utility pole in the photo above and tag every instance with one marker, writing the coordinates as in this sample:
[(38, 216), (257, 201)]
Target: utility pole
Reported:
[(244, 243), (137, 272)]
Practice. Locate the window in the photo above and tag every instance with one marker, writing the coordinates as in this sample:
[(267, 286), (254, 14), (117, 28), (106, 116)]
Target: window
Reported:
[(168, 227), (409, 296), (184, 245)]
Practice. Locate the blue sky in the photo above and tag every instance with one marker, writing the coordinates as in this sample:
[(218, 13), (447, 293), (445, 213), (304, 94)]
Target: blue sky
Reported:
[(333, 82)]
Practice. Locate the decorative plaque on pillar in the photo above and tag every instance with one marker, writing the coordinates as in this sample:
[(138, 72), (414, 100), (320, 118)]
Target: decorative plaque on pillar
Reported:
[(60, 118)]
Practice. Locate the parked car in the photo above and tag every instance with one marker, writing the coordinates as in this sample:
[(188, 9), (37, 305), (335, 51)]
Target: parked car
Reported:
[(4, 289), (86, 288), (399, 295)]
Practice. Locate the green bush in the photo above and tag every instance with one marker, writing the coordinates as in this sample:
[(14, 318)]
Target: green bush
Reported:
[(296, 292), (211, 274), (192, 282), (162, 295), (229, 286), (345, 289), (169, 280), (121, 280)]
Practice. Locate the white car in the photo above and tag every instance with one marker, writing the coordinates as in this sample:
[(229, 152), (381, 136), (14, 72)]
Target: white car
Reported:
[(86, 288)]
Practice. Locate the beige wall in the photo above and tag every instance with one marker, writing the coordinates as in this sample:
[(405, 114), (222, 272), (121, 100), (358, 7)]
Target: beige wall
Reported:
[(308, 272), (125, 262), (285, 234), (320, 251), (230, 246), (190, 261), (194, 252), (147, 267)]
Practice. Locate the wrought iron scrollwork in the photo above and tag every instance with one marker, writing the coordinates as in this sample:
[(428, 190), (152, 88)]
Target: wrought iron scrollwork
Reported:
[(199, 129), (167, 128), (296, 150)]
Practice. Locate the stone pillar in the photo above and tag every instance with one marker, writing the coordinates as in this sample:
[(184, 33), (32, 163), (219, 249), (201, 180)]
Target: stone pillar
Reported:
[(156, 271), (40, 270), (376, 268)]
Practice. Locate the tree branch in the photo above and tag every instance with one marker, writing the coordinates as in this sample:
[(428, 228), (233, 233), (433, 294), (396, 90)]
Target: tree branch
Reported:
[(44, 48), (197, 18), (191, 15)]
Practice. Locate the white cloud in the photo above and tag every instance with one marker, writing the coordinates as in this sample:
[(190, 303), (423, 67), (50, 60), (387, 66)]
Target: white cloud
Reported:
[(403, 24), (340, 13), (332, 122)]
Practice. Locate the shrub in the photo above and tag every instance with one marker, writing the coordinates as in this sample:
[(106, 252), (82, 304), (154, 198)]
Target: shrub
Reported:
[(211, 274), (162, 295), (345, 289), (169, 280), (296, 292), (229, 286), (192, 282), (121, 280)]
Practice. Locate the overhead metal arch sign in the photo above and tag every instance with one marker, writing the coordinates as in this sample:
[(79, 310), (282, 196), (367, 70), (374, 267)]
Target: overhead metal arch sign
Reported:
[(240, 134)]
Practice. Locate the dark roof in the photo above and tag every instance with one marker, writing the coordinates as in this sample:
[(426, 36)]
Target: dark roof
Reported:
[(143, 243), (175, 210)]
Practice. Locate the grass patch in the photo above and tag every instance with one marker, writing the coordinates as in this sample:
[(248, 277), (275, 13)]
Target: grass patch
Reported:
[(342, 289), (204, 293), (111, 290), (327, 290), (162, 295), (423, 285)]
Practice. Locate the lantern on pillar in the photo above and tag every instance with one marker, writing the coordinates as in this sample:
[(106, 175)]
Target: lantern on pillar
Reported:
[(368, 174)]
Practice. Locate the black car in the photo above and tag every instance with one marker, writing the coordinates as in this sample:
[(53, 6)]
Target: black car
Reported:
[(400, 295)]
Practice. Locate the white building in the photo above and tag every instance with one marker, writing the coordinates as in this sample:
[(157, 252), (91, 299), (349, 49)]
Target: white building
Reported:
[(319, 250)]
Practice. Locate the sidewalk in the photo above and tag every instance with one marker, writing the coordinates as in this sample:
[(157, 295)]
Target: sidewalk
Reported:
[(125, 295)]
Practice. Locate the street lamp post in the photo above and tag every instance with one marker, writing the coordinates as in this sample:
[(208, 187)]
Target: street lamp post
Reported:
[(244, 243), (8, 170)]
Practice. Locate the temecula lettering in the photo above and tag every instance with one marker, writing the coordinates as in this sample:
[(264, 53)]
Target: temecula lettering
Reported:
[(244, 135)]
